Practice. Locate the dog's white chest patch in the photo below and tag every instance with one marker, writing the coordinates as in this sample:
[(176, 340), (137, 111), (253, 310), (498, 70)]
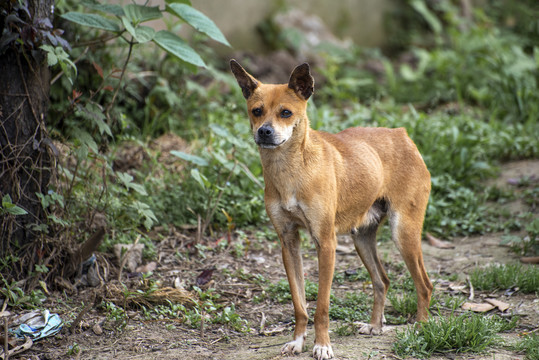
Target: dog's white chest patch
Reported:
[(291, 204)]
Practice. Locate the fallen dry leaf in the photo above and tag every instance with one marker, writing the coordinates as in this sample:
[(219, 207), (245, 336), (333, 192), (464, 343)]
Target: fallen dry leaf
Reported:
[(484, 307), (151, 266), (204, 277), (530, 260), (499, 304), (437, 243)]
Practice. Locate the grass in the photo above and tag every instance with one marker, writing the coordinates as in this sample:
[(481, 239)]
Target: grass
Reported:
[(502, 276), (280, 291), (529, 345), (465, 333)]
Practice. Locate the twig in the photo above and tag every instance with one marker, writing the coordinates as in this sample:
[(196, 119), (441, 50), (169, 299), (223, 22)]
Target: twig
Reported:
[(210, 213), (95, 42), (5, 315), (472, 295), (124, 259), (83, 312), (262, 323), (131, 43)]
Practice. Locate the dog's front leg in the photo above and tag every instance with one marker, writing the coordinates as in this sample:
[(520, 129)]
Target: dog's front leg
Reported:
[(293, 265), (325, 245)]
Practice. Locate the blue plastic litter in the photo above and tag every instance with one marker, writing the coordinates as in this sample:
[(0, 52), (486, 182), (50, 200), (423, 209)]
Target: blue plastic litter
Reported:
[(39, 326)]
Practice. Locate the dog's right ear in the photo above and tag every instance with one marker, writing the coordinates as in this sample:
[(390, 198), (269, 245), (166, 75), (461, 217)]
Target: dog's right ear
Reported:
[(246, 82)]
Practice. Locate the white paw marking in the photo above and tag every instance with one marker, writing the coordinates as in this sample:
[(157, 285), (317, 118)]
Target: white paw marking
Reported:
[(322, 352), (294, 347)]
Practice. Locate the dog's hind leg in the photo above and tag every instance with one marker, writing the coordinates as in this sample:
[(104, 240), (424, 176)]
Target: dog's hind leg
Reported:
[(406, 232), (365, 243), (291, 251)]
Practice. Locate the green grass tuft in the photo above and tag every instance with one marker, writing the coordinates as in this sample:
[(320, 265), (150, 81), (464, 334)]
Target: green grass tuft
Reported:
[(530, 346), (463, 333), (500, 277)]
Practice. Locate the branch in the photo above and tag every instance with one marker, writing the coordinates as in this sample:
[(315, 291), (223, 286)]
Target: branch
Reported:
[(131, 43)]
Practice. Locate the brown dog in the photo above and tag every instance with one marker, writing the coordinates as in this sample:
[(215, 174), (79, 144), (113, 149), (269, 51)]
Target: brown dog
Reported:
[(331, 184)]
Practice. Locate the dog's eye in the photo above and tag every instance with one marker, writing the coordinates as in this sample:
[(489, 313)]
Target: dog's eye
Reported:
[(257, 112), (286, 113)]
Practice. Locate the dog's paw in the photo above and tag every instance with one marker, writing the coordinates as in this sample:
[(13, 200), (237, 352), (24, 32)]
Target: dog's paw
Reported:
[(293, 347), (368, 329), (321, 352)]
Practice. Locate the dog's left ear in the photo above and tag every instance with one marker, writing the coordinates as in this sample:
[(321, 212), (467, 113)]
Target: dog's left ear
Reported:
[(246, 82), (301, 81)]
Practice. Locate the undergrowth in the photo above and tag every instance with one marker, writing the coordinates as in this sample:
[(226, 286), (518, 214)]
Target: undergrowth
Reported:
[(463, 333)]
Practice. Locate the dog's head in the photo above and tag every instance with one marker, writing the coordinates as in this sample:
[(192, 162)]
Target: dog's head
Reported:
[(275, 110)]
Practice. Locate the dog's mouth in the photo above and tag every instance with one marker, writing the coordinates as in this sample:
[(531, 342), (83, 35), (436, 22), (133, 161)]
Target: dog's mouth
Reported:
[(267, 145)]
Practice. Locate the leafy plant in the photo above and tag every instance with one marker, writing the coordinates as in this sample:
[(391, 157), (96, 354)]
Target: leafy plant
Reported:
[(8, 208), (17, 297), (117, 318), (128, 19)]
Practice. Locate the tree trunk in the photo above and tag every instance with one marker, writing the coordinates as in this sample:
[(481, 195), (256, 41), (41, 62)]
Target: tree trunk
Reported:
[(26, 160)]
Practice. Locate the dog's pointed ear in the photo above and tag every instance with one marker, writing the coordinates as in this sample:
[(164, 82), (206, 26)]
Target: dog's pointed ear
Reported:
[(301, 81), (246, 82)]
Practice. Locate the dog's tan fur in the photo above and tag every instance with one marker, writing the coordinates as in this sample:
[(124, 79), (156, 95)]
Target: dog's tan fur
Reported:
[(335, 183)]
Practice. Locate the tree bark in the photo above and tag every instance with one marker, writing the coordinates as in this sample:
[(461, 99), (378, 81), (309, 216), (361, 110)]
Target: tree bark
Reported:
[(26, 159)]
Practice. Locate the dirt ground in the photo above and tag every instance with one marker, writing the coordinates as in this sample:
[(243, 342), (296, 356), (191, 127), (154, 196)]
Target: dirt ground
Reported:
[(169, 339)]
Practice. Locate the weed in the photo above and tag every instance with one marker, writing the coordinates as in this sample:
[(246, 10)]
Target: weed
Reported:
[(18, 298), (452, 302), (117, 318), (346, 328), (529, 345), (360, 274), (207, 310), (467, 332), (405, 305), (354, 306), (501, 277), (73, 349), (281, 291), (527, 244)]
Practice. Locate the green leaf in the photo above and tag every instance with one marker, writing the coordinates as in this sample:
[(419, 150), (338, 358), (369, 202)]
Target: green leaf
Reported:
[(174, 45), (428, 15), (178, 1), (200, 178), (144, 34), (140, 13), (128, 26), (10, 208), (92, 20), (198, 20), (197, 160), (106, 8), (6, 200)]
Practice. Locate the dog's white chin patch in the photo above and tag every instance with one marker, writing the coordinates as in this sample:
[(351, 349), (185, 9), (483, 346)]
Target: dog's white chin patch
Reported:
[(293, 347), (271, 146), (322, 352)]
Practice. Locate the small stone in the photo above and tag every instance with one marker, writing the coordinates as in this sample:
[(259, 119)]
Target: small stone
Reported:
[(97, 329)]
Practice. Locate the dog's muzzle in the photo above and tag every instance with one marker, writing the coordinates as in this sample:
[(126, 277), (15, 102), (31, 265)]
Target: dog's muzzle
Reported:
[(266, 137)]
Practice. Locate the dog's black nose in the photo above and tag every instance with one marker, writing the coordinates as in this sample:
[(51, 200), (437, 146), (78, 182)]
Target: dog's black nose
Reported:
[(265, 132)]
